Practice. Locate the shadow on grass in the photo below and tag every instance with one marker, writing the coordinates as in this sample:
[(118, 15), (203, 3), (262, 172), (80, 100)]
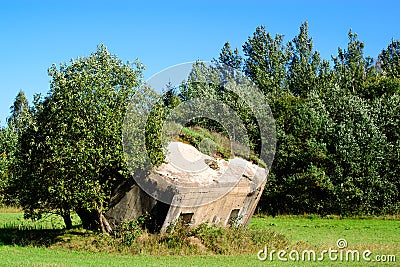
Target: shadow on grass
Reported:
[(35, 237)]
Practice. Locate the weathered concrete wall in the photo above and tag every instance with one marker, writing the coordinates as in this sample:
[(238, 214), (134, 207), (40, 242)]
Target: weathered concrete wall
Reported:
[(128, 203), (239, 199)]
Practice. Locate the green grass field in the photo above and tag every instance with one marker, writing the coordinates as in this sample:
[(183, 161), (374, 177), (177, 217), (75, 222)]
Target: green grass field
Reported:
[(44, 243)]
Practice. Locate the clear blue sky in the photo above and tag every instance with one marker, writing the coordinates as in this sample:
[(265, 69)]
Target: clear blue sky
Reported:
[(35, 34)]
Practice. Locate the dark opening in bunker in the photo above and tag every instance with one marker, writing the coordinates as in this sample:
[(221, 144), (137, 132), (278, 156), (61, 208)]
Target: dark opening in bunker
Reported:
[(186, 218), (233, 218), (157, 216)]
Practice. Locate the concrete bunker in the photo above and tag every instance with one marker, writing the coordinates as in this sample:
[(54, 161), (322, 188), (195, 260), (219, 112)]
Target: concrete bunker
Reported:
[(219, 192)]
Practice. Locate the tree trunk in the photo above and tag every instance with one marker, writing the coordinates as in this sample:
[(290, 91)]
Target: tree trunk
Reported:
[(67, 220), (105, 226), (94, 220)]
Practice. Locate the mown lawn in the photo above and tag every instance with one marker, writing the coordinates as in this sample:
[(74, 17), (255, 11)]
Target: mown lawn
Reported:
[(17, 256), (380, 235), (372, 233)]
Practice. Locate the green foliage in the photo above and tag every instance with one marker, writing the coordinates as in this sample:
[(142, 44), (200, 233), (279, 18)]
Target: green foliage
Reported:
[(230, 58), (196, 135), (128, 231), (389, 60), (357, 148), (333, 128), (21, 115), (333, 148), (376, 87), (387, 114), (219, 240), (17, 123), (208, 85), (330, 157), (351, 67), (8, 150), (154, 139), (299, 182), (215, 144), (71, 156), (304, 64), (265, 62), (142, 128)]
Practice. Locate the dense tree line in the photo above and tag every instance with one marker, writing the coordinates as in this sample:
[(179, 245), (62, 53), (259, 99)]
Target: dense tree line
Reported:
[(336, 120), (337, 128), (337, 125)]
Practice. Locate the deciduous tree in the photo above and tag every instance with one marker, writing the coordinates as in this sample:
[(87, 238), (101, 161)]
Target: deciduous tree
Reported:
[(72, 155), (265, 62)]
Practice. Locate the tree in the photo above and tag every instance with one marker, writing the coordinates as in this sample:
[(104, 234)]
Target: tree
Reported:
[(20, 113), (378, 86), (389, 60), (17, 123), (72, 154), (357, 153), (304, 64), (229, 63), (331, 148), (8, 150), (223, 91), (265, 62), (386, 111), (230, 58), (299, 181), (351, 67)]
